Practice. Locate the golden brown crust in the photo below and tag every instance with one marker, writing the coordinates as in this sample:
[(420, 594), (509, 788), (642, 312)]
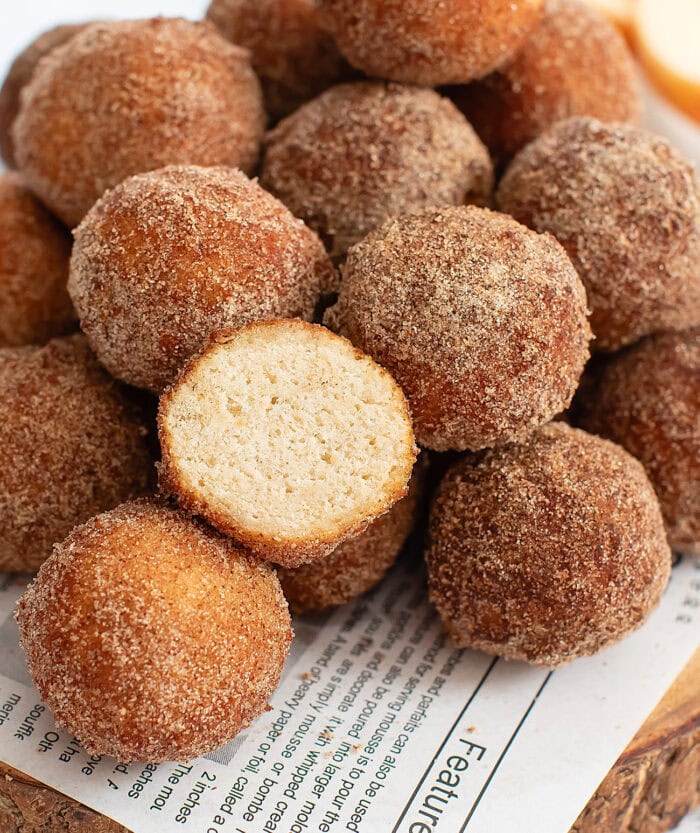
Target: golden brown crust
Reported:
[(625, 206), (423, 42), (574, 62), (20, 72), (481, 321), (284, 551), (647, 398), (167, 257), (34, 253), (183, 635), (363, 152), (287, 553), (546, 551), (294, 58), (359, 564), (71, 445), (125, 97)]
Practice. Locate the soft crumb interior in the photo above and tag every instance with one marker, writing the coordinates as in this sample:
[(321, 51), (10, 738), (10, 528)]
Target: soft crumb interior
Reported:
[(290, 432)]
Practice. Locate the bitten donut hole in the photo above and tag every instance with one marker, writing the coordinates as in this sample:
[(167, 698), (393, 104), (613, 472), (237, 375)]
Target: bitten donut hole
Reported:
[(288, 432)]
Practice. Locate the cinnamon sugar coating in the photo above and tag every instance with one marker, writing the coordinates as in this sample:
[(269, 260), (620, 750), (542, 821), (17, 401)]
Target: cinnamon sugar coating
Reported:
[(71, 445), (647, 398), (151, 637), (424, 42), (546, 551), (34, 253), (625, 206), (574, 62), (294, 58), (358, 564), (168, 257), (481, 321), (125, 97), (353, 568), (20, 72), (363, 152)]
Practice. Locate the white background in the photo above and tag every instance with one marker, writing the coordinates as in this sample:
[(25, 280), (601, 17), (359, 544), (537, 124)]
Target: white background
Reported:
[(22, 20)]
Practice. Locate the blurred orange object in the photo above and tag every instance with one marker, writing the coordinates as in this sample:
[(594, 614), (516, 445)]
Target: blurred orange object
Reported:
[(620, 12), (667, 38)]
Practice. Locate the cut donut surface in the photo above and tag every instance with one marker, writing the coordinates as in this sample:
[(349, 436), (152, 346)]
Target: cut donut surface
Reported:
[(286, 437)]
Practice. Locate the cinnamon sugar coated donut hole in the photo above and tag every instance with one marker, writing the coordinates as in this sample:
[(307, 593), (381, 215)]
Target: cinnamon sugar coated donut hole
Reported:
[(34, 253), (294, 58), (126, 97), (423, 42), (284, 436), (358, 564), (182, 635), (366, 151), (20, 72), (546, 551), (71, 445), (574, 62), (625, 206), (647, 399), (167, 257), (480, 320)]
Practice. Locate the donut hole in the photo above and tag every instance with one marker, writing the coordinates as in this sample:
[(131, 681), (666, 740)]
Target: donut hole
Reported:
[(145, 587), (288, 432)]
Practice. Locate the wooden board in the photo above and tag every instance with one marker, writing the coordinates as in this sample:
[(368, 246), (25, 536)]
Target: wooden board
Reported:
[(654, 783), (656, 780)]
